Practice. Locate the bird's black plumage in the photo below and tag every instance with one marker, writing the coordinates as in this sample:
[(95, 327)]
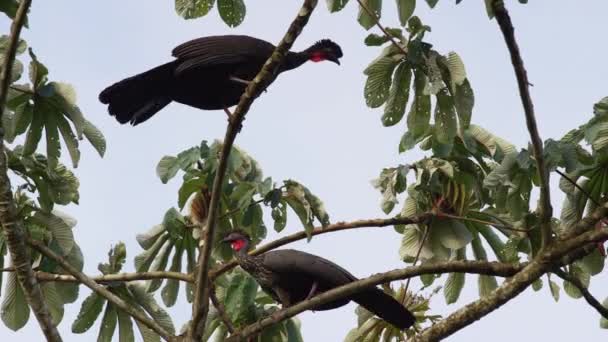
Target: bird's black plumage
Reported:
[(289, 275), (207, 73)]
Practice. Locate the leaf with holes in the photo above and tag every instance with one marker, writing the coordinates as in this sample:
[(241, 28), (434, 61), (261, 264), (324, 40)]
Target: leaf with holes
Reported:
[(398, 95), (232, 12), (378, 82), (192, 9)]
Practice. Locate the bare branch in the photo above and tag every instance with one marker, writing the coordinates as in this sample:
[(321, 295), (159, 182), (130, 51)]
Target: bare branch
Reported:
[(13, 230), (100, 290), (370, 223), (475, 267), (585, 292), (580, 188), (221, 310), (109, 278), (200, 306), (545, 209)]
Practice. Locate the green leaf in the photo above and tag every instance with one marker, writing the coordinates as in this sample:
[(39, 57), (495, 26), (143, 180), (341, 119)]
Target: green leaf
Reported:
[(70, 139), (405, 9), (593, 263), (147, 334), (53, 301), (60, 228), (489, 8), (171, 289), (15, 310), (95, 137), (464, 100), (192, 9), (336, 5), (420, 111), (240, 295), (537, 284), (456, 68), (125, 327), (232, 12), (38, 71), (398, 95), (108, 324), (279, 215), (293, 327), (554, 290), (168, 166), (187, 189), (375, 7), (451, 233), (159, 264), (34, 133), (147, 239), (144, 259), (432, 3), (604, 321), (147, 301), (453, 286), (445, 118), (9, 7), (378, 82), (579, 273), (89, 311)]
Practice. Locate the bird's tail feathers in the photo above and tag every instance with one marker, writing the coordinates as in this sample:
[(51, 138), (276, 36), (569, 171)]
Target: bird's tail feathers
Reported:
[(137, 98), (385, 307)]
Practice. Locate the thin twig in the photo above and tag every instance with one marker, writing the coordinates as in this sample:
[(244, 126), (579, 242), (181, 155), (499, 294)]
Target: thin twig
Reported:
[(584, 291), (377, 22), (268, 72), (462, 266), (424, 237), (494, 224), (13, 230), (545, 208), (370, 223), (100, 290), (580, 188), (221, 310)]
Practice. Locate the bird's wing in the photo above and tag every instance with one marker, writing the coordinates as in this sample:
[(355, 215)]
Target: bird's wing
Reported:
[(220, 50), (288, 261)]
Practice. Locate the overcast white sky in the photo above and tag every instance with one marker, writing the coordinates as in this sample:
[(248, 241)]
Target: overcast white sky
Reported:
[(312, 125)]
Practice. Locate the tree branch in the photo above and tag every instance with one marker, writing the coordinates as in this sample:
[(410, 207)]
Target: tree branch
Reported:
[(264, 77), (474, 311), (221, 310), (585, 292), (462, 266), (545, 209), (13, 230), (109, 278), (323, 230), (100, 290)]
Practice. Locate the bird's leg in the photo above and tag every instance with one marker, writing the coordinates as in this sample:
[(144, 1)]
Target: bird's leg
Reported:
[(312, 291), (240, 80)]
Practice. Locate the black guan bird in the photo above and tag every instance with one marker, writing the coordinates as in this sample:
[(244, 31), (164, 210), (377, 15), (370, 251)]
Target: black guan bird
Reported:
[(291, 276), (207, 73)]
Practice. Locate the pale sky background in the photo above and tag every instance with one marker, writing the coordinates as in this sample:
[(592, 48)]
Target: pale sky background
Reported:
[(313, 126)]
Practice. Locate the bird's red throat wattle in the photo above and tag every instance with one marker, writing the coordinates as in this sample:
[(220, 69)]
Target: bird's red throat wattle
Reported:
[(318, 56), (238, 244)]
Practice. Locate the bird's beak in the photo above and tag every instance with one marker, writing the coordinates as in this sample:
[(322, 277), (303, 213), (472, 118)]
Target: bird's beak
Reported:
[(227, 239), (334, 59)]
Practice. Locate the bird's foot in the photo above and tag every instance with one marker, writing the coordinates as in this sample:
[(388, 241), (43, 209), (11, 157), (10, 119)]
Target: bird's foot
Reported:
[(312, 291)]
